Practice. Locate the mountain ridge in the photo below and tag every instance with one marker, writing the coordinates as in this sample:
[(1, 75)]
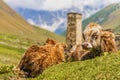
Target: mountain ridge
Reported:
[(47, 19), (14, 24)]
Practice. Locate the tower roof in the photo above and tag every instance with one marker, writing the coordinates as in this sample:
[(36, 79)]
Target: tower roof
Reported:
[(74, 13)]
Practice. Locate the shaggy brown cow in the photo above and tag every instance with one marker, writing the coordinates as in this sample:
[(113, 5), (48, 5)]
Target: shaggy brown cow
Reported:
[(38, 58), (95, 37), (96, 41)]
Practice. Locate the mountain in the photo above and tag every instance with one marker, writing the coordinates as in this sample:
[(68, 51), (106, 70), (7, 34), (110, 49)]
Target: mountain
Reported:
[(49, 20), (13, 24), (109, 17), (54, 21)]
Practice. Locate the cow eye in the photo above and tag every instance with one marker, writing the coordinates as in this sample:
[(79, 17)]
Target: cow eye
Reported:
[(94, 37)]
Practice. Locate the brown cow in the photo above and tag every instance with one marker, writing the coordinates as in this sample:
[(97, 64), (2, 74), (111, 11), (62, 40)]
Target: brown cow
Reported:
[(38, 58), (95, 37), (96, 41)]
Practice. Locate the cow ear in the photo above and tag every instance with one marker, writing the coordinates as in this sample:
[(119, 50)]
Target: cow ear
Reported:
[(50, 41), (64, 45)]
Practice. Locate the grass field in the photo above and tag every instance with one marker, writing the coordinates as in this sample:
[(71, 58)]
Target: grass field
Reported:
[(101, 68)]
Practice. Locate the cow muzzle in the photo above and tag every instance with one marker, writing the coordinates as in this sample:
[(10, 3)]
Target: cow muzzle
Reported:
[(86, 45)]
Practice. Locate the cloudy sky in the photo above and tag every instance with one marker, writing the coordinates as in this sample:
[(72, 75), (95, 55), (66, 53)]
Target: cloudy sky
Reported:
[(53, 5)]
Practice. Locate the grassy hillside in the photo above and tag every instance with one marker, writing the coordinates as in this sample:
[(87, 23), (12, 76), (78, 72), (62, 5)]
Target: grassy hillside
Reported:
[(42, 35), (109, 17), (13, 24), (100, 68)]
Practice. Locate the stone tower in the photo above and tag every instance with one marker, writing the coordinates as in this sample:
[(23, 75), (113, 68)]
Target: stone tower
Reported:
[(74, 29)]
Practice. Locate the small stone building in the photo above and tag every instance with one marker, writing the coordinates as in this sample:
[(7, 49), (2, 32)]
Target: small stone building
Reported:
[(74, 29)]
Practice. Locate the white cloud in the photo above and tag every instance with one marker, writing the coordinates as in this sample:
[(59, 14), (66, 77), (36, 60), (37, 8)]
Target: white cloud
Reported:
[(30, 4), (31, 22), (56, 4), (54, 26), (40, 4), (53, 5)]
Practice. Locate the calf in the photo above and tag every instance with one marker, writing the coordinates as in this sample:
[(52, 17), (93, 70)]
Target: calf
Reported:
[(95, 37), (38, 58)]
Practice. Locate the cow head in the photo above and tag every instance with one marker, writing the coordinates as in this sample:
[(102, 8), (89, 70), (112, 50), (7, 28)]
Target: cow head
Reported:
[(92, 35), (50, 41)]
